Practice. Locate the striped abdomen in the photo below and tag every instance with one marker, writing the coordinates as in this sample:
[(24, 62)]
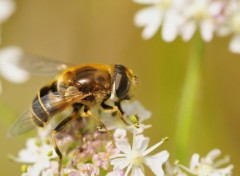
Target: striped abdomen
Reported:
[(44, 105)]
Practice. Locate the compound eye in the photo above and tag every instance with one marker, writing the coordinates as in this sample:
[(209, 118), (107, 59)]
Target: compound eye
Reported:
[(121, 84)]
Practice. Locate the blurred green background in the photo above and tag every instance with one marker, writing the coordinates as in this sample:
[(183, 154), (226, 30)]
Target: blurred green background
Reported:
[(93, 31)]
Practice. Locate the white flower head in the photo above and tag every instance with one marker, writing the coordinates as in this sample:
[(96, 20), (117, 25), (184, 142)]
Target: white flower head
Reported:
[(173, 170), (9, 58), (136, 109), (159, 12), (231, 25), (185, 17), (7, 7), (208, 165), (129, 109), (200, 13), (38, 154), (134, 157)]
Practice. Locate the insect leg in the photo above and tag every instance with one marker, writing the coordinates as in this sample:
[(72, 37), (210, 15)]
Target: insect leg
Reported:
[(115, 109), (58, 129), (87, 113)]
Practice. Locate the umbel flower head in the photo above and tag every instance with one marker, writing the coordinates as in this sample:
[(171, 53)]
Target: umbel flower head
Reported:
[(9, 57), (209, 165), (184, 17), (134, 157), (88, 151)]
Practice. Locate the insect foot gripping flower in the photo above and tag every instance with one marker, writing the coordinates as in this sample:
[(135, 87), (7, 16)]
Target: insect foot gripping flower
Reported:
[(9, 57), (134, 157), (130, 110), (208, 166)]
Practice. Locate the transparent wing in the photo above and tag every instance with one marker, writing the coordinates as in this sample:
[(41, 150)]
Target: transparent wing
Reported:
[(39, 65), (53, 102), (23, 124)]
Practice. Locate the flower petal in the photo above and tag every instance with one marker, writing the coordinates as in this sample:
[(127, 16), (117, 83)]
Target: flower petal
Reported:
[(8, 60), (171, 26), (7, 7), (235, 44), (123, 146), (207, 28), (155, 162), (194, 161), (140, 143), (137, 171), (146, 1), (188, 30), (212, 155), (119, 163), (151, 19), (226, 171)]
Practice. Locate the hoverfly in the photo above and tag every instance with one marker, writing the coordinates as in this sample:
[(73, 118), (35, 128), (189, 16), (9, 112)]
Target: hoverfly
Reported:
[(79, 87)]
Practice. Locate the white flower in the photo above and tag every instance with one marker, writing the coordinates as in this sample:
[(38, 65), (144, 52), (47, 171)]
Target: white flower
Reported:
[(130, 109), (7, 7), (134, 157), (173, 170), (9, 58), (208, 165), (160, 12), (136, 109), (38, 154), (231, 24), (202, 14)]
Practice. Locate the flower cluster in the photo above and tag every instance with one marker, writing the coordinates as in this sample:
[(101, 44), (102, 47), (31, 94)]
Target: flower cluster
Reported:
[(9, 56), (184, 17), (90, 152), (207, 165)]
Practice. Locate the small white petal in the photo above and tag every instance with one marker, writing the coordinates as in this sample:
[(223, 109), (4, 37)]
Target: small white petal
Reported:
[(235, 44), (223, 30), (146, 1), (123, 146), (137, 171), (7, 7), (139, 130), (212, 155), (155, 162), (9, 58), (194, 161), (119, 163), (206, 28), (128, 170), (227, 170), (140, 143), (215, 8), (150, 18), (135, 108), (120, 134), (171, 26), (188, 30)]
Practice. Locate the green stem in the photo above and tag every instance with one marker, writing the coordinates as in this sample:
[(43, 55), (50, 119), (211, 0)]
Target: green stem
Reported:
[(188, 100)]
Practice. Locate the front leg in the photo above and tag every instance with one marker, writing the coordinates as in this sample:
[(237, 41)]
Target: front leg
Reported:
[(116, 110)]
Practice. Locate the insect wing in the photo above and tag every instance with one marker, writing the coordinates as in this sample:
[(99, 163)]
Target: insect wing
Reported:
[(23, 124), (39, 65), (54, 103)]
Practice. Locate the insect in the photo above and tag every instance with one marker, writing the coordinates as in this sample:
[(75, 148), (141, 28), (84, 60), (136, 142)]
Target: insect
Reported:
[(79, 87)]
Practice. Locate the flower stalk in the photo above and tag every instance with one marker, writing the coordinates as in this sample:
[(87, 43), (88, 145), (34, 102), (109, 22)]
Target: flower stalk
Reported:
[(188, 100)]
